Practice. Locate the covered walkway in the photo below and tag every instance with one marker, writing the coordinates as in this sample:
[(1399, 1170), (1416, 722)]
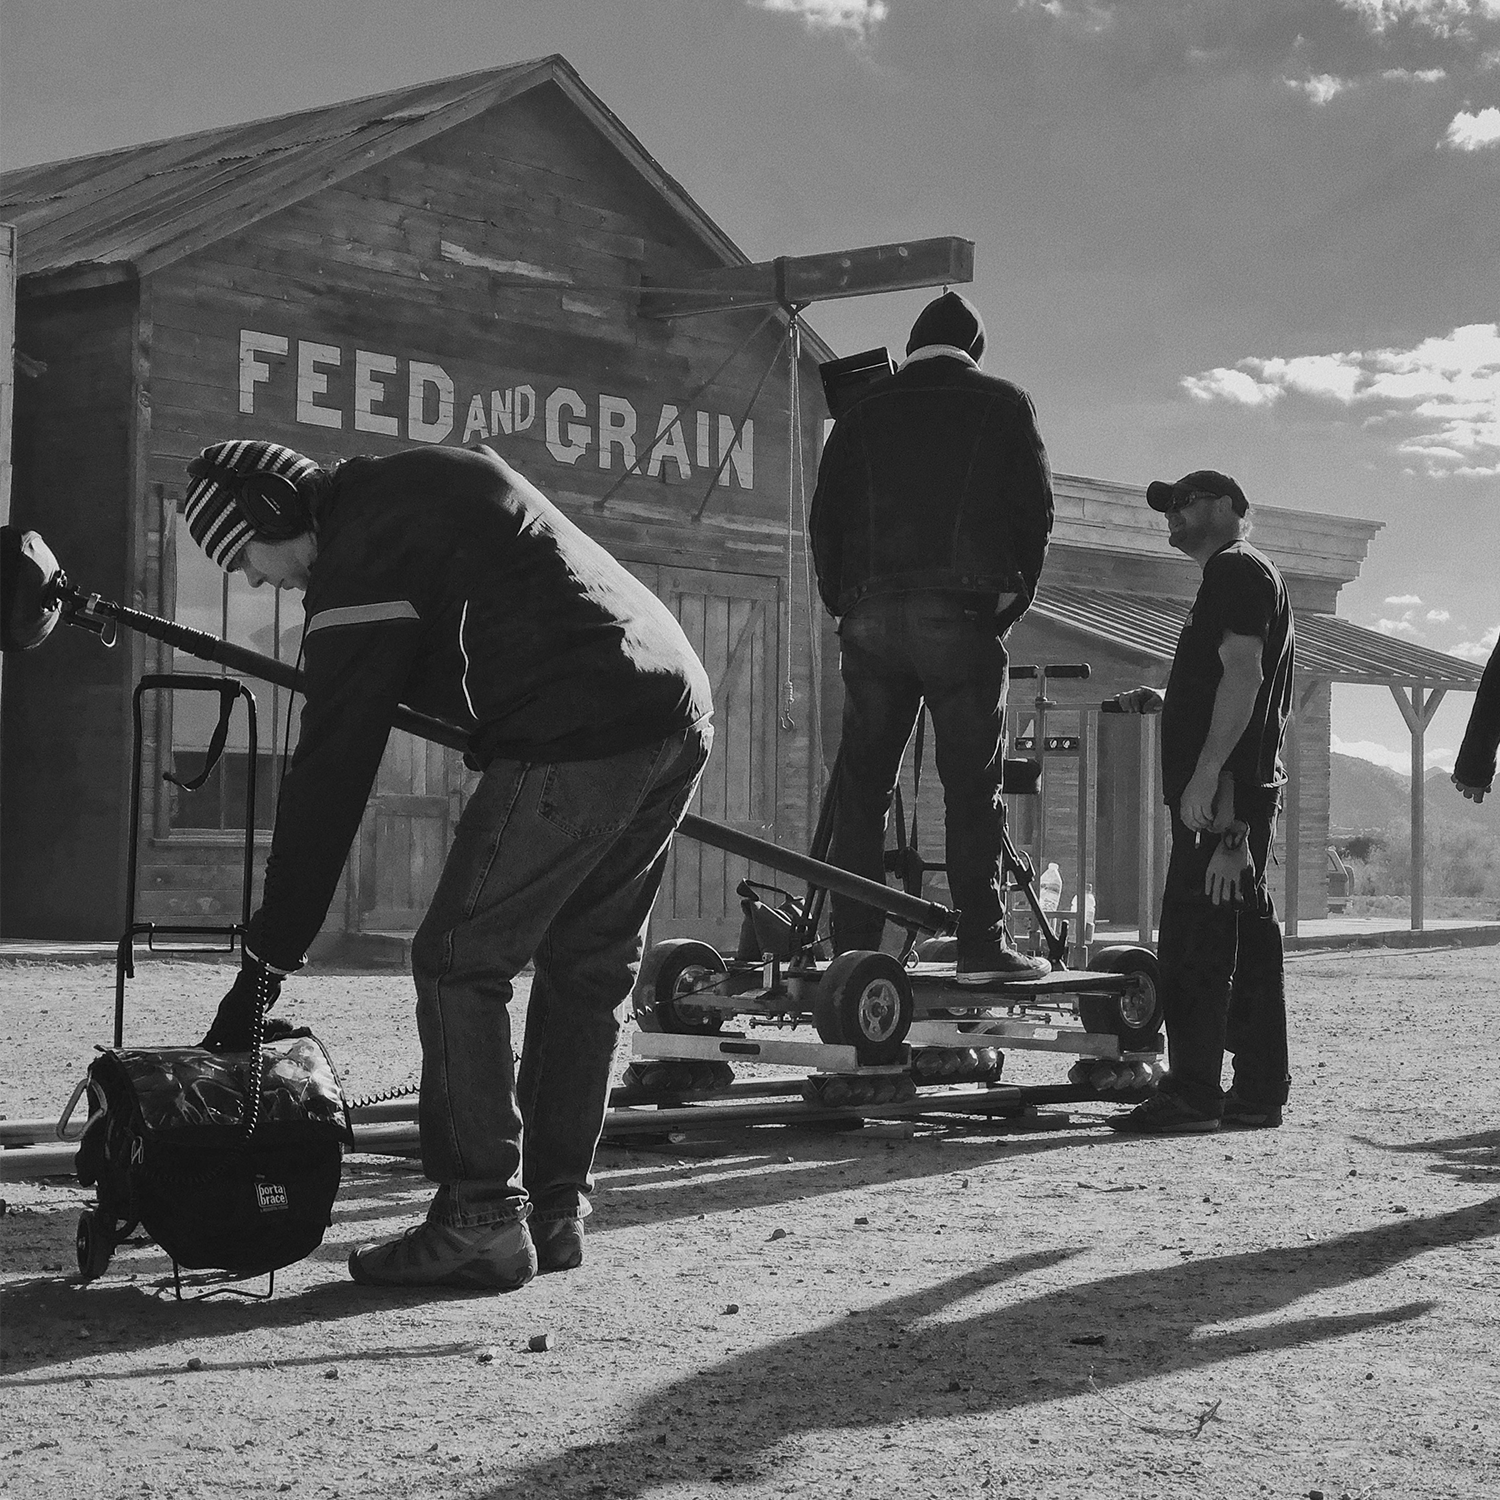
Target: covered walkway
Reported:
[(1329, 650)]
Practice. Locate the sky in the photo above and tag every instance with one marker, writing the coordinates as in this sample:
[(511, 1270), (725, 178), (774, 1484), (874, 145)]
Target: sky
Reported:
[(1254, 235)]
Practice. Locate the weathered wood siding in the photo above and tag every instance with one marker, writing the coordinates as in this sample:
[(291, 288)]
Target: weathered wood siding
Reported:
[(67, 707), (315, 326)]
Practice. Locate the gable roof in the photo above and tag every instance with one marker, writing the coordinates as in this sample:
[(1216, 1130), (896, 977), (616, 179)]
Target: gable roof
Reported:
[(97, 218)]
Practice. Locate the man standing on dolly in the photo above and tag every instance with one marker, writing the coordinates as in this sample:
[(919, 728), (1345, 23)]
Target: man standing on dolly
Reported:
[(441, 579), (1223, 723), (929, 527)]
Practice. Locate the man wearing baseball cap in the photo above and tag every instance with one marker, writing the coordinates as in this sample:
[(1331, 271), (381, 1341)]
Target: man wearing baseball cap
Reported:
[(1223, 722), (441, 579)]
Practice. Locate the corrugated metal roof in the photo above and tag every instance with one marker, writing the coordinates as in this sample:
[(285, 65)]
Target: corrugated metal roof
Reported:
[(146, 206), (1326, 645)]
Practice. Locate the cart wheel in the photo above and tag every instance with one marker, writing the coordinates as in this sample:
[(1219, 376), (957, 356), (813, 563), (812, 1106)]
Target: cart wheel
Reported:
[(1134, 1015), (865, 1001), (671, 973), (93, 1245)]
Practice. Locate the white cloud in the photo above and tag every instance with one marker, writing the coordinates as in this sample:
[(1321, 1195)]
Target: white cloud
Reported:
[(1088, 16), (1468, 132), (1384, 755), (860, 17), (1477, 650), (1445, 392), (1437, 617), (1402, 599), (1398, 627), (1231, 385), (1421, 75), (1441, 17), (1320, 88)]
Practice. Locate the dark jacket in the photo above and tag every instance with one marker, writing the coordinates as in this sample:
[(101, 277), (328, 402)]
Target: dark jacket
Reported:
[(445, 581), (935, 479)]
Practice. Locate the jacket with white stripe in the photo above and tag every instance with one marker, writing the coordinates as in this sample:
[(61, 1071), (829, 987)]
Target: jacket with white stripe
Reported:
[(445, 581)]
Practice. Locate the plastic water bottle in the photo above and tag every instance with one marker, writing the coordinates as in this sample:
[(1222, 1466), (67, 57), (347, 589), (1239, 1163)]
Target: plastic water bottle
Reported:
[(1049, 887)]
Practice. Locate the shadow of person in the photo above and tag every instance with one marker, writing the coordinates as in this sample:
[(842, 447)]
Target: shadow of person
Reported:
[(1469, 1158), (909, 1357)]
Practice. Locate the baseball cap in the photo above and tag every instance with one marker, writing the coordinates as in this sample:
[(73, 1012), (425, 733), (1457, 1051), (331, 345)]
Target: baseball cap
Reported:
[(1164, 495)]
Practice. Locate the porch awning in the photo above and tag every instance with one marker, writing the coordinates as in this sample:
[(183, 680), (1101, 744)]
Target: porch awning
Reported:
[(1328, 648)]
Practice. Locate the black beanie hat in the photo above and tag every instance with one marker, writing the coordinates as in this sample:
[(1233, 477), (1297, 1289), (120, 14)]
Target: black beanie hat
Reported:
[(949, 319)]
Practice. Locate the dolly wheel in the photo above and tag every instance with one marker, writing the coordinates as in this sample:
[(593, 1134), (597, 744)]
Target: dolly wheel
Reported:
[(93, 1246), (865, 1001), (1134, 1015), (671, 974)]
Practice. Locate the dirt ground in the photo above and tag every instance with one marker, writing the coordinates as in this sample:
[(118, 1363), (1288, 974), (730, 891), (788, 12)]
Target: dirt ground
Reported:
[(969, 1310)]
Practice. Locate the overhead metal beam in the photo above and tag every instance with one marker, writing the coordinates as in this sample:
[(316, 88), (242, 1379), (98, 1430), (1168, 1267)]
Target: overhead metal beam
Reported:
[(792, 281)]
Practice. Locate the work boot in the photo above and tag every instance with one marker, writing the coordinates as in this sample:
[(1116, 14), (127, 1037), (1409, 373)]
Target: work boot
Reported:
[(485, 1258), (559, 1243), (1163, 1114), (996, 961), (1238, 1115)]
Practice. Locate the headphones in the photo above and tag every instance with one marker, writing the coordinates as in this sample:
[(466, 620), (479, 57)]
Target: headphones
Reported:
[(272, 504)]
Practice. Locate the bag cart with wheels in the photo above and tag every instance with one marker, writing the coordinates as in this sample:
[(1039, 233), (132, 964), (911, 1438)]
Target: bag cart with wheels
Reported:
[(229, 1161)]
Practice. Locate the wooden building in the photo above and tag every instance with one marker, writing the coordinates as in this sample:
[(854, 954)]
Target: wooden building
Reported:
[(457, 262), (483, 258)]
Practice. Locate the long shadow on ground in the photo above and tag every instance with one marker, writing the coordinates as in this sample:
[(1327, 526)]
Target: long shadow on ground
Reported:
[(376, 1200), (889, 1365)]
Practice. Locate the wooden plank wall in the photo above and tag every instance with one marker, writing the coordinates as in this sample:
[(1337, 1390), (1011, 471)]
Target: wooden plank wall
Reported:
[(66, 720), (410, 260)]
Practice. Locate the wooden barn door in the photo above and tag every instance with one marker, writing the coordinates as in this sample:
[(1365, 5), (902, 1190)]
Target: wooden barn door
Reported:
[(731, 620), (405, 834)]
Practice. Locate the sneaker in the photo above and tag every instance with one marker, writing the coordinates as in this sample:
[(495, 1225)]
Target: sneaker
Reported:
[(559, 1243), (486, 1258), (1238, 1115), (1163, 1114), (997, 962)]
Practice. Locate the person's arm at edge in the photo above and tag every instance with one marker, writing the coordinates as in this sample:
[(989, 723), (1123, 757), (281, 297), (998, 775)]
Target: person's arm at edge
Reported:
[(1474, 769)]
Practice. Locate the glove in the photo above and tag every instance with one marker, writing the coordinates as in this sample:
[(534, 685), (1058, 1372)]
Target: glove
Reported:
[(255, 988), (1224, 882)]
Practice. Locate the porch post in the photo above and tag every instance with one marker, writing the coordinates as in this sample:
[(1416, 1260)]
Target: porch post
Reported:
[(1418, 714)]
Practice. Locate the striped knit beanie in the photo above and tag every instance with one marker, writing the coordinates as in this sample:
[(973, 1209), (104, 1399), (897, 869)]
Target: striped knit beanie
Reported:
[(214, 521)]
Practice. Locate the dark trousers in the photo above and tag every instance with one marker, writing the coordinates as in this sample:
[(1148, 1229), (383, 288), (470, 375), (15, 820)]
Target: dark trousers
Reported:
[(1223, 985), (559, 863), (895, 651)]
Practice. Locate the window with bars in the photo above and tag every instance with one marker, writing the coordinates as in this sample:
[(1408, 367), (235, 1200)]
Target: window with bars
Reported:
[(266, 620)]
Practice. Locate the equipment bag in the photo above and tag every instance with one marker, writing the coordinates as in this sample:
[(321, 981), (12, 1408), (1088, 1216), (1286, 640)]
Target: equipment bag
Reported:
[(170, 1145)]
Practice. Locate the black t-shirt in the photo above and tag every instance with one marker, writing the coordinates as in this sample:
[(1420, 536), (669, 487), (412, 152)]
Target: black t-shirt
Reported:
[(1241, 594)]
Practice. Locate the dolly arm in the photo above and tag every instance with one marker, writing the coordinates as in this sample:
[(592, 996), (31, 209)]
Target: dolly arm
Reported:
[(92, 612)]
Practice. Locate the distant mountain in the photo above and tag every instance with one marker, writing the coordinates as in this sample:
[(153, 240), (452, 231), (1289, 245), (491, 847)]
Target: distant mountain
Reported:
[(1364, 795)]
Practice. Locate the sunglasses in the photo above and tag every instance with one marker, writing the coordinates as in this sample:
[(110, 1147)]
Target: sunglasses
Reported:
[(1186, 500)]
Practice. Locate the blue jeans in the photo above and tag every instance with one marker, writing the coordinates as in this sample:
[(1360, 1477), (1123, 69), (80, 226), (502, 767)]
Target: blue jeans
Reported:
[(1223, 982), (895, 651), (559, 863)]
